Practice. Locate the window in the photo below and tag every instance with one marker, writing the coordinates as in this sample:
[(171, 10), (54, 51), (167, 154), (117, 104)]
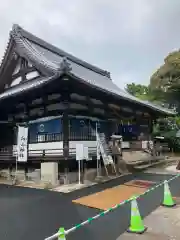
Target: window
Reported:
[(41, 138)]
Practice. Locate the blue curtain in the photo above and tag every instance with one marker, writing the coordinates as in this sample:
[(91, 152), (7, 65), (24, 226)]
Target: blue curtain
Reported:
[(78, 126), (49, 127), (128, 130)]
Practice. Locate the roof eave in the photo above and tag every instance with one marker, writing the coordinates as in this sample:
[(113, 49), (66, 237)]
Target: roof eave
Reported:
[(162, 111)]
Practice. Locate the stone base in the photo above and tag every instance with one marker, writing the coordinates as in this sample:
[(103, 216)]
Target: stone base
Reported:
[(49, 173)]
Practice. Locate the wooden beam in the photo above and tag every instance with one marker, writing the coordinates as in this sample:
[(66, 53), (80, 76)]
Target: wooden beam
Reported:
[(22, 73), (65, 122), (89, 104), (86, 103)]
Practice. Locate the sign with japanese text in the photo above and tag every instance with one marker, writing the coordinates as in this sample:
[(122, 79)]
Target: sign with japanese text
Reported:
[(22, 144)]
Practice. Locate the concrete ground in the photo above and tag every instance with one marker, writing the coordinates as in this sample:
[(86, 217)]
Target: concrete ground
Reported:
[(27, 213), (162, 224), (172, 168)]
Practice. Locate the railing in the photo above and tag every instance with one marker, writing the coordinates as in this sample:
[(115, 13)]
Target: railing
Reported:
[(46, 137), (82, 136), (56, 152), (57, 137), (88, 221), (42, 154)]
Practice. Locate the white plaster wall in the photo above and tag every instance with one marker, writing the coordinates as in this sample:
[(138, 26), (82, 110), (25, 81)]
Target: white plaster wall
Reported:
[(72, 144), (56, 148), (50, 147)]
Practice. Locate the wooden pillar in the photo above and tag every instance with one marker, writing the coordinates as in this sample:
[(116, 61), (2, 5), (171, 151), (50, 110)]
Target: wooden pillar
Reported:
[(90, 105), (65, 123), (110, 123), (150, 126), (44, 104)]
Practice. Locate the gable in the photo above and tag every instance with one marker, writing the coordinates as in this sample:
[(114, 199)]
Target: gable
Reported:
[(18, 70), (22, 71)]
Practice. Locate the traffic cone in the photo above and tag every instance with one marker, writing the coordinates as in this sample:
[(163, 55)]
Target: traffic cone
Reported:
[(62, 235), (168, 200), (136, 224)]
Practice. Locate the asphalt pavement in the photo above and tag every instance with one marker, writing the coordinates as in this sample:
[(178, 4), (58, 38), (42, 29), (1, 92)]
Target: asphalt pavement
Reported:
[(32, 214)]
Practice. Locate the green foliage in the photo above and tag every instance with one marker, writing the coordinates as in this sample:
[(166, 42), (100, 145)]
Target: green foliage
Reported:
[(164, 88), (166, 127), (177, 120), (145, 93), (140, 91), (137, 89), (167, 78), (168, 74)]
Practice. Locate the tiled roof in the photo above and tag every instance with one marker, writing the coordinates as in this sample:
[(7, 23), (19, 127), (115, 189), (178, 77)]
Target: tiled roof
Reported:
[(49, 59)]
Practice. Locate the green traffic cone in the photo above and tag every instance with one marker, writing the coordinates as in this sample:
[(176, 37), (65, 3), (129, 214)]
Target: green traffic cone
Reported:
[(62, 235), (168, 200), (136, 224)]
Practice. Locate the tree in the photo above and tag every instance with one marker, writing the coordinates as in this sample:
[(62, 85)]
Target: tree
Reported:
[(167, 80), (165, 127), (136, 89), (164, 89), (145, 93), (168, 74)]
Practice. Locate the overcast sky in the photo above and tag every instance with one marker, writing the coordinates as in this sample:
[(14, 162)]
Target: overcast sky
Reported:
[(129, 38)]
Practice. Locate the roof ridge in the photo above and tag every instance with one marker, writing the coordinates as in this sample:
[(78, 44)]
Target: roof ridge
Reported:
[(24, 33)]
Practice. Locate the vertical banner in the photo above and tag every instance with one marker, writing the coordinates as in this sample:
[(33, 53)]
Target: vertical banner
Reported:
[(22, 144)]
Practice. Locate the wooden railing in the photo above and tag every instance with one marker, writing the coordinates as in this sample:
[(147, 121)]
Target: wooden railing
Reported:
[(82, 136), (46, 137), (8, 154), (57, 137)]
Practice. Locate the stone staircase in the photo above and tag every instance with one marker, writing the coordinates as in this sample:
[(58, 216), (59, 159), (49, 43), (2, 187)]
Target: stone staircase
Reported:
[(141, 159)]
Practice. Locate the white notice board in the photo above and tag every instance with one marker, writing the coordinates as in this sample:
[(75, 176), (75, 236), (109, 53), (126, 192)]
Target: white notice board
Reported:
[(79, 151), (86, 153), (125, 144)]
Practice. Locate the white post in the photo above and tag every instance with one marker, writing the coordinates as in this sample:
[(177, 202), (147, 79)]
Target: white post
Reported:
[(79, 169), (79, 157), (16, 167)]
